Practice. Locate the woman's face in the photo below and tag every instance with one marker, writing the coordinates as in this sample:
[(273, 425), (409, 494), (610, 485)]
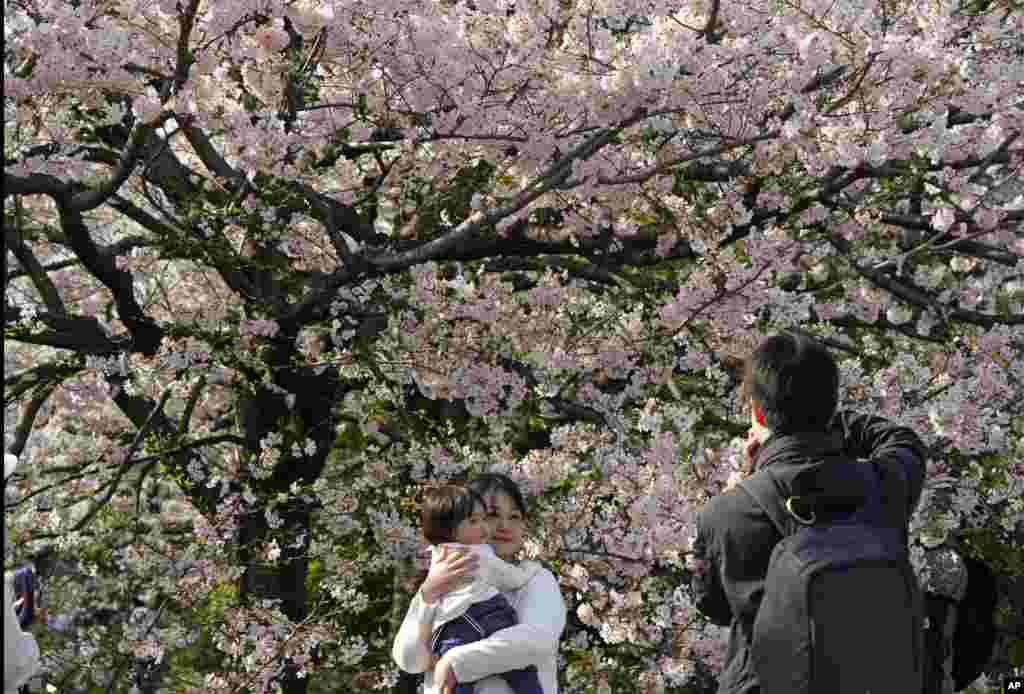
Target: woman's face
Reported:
[(507, 525)]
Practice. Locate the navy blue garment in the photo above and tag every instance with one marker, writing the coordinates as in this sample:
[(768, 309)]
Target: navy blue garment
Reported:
[(480, 621), (25, 587)]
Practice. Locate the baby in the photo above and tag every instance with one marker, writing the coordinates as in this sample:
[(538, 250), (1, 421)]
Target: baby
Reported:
[(456, 518)]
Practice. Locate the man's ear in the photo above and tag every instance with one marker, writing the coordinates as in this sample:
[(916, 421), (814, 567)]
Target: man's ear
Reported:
[(758, 414), (759, 428)]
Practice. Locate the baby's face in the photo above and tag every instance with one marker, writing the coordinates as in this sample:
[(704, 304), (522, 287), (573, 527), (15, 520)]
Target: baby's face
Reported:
[(475, 530)]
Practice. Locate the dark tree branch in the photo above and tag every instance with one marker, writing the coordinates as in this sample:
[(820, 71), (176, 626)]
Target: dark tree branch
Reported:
[(328, 216), (234, 181), (148, 460), (28, 418), (146, 334), (712, 23), (568, 409), (37, 377), (185, 57), (945, 241), (149, 416), (384, 263), (507, 252), (336, 218), (79, 333), (585, 271), (883, 325), (733, 167), (34, 184), (34, 269), (190, 406), (124, 468), (918, 298), (119, 248), (236, 280), (556, 176), (91, 199), (1002, 149)]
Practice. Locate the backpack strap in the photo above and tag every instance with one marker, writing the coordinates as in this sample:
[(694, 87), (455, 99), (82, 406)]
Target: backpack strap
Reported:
[(763, 489)]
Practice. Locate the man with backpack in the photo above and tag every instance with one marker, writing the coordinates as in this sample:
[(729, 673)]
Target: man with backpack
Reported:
[(806, 559)]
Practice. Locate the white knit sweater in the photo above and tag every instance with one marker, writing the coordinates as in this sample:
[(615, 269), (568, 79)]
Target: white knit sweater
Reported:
[(493, 577), (21, 654), (533, 641)]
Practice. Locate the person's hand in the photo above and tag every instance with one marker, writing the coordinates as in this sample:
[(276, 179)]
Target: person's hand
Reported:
[(448, 572), (750, 449), (444, 677)]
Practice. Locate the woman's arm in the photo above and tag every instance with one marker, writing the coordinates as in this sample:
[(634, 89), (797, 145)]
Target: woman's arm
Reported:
[(541, 612), (21, 653), (411, 647)]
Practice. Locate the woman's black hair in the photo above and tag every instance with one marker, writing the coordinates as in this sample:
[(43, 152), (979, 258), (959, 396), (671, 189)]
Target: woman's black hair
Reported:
[(488, 483)]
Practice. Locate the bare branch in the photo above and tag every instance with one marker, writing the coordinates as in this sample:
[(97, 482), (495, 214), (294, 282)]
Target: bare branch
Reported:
[(79, 333), (916, 297), (1002, 149), (186, 22), (147, 415), (147, 460), (852, 91), (35, 270), (712, 23), (236, 280), (28, 418), (52, 267), (145, 332), (734, 168), (123, 469), (944, 241), (234, 181), (190, 406), (37, 377), (554, 177), (91, 199), (34, 184)]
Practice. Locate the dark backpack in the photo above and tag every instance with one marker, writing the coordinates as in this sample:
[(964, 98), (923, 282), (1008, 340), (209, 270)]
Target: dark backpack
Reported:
[(841, 611)]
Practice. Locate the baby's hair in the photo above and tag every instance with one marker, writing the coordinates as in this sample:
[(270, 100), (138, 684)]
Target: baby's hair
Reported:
[(444, 507)]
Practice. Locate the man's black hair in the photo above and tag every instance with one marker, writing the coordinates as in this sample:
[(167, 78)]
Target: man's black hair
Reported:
[(795, 383)]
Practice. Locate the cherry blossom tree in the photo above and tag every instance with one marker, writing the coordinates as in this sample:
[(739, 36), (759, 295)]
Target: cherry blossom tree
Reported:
[(271, 265)]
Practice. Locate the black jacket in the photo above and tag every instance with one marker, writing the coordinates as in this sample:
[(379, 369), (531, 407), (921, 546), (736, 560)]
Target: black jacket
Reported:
[(735, 538)]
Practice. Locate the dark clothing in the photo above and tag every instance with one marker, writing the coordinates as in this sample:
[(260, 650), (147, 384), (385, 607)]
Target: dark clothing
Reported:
[(480, 621), (975, 635), (25, 587), (735, 538)]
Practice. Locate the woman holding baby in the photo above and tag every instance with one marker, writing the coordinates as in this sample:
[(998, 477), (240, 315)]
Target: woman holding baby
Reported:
[(482, 621)]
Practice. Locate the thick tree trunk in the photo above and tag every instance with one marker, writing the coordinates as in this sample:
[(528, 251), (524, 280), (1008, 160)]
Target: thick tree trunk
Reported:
[(309, 417), (284, 581)]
